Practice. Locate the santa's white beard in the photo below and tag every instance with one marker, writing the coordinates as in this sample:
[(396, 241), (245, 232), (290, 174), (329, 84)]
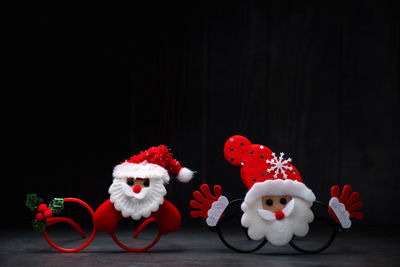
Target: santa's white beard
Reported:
[(277, 232), (124, 200)]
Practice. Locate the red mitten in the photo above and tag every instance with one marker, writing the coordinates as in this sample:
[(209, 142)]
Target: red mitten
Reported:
[(106, 218), (209, 207), (167, 217), (346, 206)]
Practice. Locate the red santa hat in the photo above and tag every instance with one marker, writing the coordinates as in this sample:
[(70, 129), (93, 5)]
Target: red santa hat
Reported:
[(154, 163), (263, 172)]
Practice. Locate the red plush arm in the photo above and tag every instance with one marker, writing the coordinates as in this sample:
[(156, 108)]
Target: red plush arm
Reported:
[(203, 203), (106, 218), (346, 206), (167, 218), (208, 206)]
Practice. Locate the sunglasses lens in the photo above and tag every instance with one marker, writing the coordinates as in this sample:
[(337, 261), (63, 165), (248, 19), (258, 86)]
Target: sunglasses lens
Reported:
[(320, 235), (233, 234)]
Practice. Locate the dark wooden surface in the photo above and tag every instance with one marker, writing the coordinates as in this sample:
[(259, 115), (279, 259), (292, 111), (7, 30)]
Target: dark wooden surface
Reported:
[(371, 246), (316, 80)]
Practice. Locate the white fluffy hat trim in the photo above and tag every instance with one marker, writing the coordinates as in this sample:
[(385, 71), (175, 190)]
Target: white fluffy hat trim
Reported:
[(140, 170), (279, 187)]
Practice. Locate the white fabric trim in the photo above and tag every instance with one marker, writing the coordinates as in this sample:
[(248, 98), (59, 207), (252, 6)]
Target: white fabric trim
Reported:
[(216, 210), (140, 170), (279, 187), (340, 211), (266, 215)]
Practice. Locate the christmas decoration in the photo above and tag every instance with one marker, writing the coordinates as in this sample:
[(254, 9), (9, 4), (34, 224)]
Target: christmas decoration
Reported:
[(35, 203), (136, 192), (277, 206)]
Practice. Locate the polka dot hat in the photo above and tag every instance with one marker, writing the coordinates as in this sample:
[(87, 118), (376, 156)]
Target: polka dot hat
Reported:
[(263, 172)]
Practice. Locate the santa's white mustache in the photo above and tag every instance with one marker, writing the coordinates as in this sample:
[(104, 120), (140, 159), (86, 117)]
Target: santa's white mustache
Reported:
[(129, 192), (272, 216)]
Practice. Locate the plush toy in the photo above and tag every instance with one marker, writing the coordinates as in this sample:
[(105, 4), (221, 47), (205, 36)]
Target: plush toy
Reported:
[(137, 191), (278, 204)]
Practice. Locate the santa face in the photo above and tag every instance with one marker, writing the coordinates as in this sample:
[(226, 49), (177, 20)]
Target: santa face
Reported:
[(277, 218), (137, 197), (275, 203)]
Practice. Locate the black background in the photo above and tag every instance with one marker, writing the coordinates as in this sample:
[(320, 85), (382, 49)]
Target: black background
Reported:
[(318, 80)]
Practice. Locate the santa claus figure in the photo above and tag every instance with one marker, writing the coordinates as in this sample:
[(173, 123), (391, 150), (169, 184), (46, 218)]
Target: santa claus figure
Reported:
[(138, 191), (278, 204)]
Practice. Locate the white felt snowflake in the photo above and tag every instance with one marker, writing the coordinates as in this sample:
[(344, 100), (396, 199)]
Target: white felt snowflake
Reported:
[(279, 165)]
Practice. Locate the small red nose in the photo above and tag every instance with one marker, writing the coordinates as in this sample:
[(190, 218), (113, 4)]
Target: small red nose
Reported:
[(136, 189), (279, 215)]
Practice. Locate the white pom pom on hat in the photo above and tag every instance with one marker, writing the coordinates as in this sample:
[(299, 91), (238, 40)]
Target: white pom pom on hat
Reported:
[(185, 175)]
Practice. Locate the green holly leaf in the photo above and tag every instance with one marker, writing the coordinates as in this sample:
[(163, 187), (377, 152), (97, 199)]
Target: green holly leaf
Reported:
[(56, 205), (39, 226), (33, 201)]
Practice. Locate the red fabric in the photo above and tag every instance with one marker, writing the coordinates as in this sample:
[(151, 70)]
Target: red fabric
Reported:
[(106, 217), (239, 151), (160, 156), (167, 218)]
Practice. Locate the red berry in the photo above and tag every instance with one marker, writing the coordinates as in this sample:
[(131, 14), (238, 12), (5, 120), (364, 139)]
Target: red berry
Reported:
[(42, 207), (39, 217), (48, 213)]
